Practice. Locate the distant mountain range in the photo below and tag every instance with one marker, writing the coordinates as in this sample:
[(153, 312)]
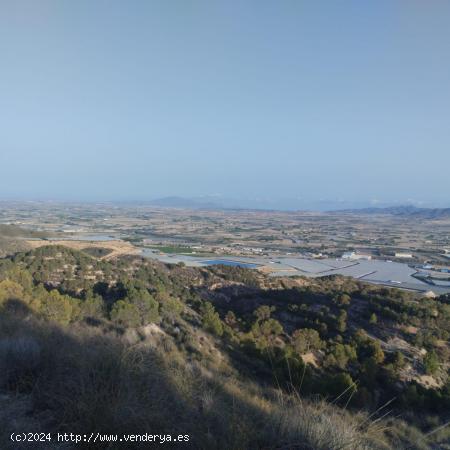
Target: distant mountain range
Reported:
[(255, 203), (325, 206), (404, 211)]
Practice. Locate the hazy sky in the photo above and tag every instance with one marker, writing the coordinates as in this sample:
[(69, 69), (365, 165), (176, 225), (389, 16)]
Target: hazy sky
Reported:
[(270, 99)]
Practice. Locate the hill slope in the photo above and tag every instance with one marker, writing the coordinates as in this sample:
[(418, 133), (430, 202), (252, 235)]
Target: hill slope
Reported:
[(225, 355)]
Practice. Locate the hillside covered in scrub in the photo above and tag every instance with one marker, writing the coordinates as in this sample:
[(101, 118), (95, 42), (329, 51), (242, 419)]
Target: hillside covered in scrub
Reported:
[(233, 358)]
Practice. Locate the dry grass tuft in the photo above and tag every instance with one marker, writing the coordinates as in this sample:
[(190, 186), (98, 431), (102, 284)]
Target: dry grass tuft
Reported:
[(85, 379)]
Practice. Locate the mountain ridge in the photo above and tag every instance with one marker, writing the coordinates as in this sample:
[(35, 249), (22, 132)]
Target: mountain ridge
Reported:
[(404, 211)]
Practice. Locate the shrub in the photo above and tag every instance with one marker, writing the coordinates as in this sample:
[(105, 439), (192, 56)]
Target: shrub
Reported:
[(171, 308), (21, 277), (263, 312), (343, 299), (59, 308), (305, 340), (211, 320), (230, 318), (340, 355), (341, 324), (147, 306), (19, 356), (10, 290), (340, 384), (266, 332), (431, 362), (93, 306), (125, 314)]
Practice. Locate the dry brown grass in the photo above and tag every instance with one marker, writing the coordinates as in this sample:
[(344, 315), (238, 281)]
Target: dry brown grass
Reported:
[(83, 379)]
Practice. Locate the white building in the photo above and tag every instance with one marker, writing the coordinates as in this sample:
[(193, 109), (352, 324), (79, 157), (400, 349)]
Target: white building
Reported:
[(403, 255), (356, 256)]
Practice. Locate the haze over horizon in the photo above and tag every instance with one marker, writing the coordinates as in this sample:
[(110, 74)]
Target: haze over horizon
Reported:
[(284, 104)]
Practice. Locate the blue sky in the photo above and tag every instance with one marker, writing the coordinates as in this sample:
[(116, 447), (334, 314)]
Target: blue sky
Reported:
[(310, 101)]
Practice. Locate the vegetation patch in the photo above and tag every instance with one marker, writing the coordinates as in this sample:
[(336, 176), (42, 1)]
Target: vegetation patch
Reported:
[(225, 354)]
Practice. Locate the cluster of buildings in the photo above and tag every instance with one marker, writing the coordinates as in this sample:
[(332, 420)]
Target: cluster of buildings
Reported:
[(356, 256)]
